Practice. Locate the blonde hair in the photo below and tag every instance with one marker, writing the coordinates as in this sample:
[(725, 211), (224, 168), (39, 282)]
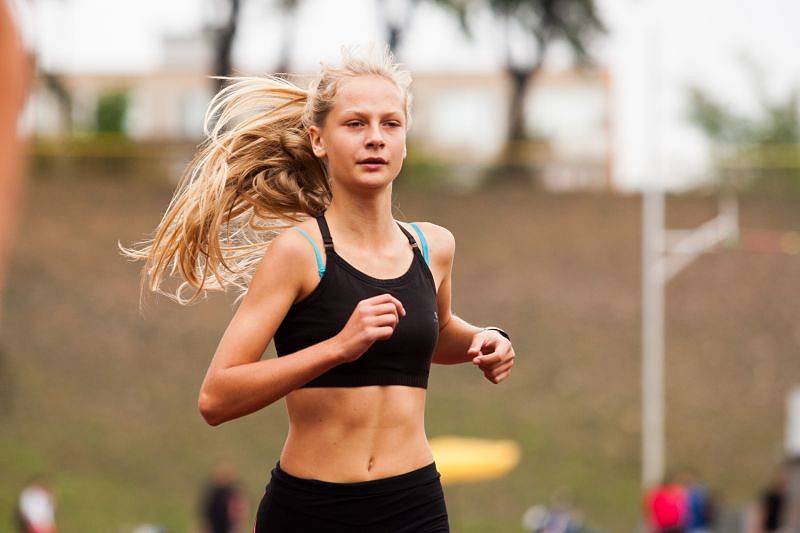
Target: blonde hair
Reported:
[(254, 175)]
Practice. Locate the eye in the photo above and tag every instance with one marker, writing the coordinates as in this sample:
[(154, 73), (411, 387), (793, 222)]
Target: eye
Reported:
[(353, 123), (395, 124)]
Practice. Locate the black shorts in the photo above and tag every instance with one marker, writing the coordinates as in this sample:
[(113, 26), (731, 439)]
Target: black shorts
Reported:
[(412, 502)]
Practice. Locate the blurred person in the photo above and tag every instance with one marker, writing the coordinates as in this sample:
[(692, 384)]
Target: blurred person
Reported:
[(560, 517), (223, 506), (16, 65), (667, 507), (700, 503), (16, 68), (358, 302), (771, 511), (534, 517), (557, 520), (149, 528), (36, 508)]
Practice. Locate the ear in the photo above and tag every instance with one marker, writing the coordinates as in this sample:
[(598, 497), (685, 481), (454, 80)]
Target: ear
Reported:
[(317, 144)]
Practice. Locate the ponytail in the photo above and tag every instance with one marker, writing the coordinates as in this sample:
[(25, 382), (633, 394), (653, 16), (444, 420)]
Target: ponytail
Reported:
[(253, 176)]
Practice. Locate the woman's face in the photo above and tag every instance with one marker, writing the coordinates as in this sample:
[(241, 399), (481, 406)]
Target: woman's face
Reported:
[(366, 121)]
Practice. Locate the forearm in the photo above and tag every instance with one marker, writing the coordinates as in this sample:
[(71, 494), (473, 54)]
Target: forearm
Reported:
[(243, 389), (14, 71), (454, 341)]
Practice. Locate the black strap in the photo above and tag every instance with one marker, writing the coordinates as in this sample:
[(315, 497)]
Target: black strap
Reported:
[(328, 240), (498, 330), (408, 234), (323, 229)]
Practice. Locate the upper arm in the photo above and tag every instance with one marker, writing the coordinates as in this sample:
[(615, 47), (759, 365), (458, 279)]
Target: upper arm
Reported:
[(441, 252), (275, 285)]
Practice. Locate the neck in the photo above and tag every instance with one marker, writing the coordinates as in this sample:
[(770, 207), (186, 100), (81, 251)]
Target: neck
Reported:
[(366, 220)]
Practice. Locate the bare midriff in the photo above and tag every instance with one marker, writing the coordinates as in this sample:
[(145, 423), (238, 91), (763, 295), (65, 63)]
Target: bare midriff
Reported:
[(351, 434)]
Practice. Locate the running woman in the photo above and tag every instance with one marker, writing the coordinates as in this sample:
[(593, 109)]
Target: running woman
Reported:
[(290, 199)]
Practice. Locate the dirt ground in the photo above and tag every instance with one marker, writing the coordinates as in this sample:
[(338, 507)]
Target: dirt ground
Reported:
[(103, 398)]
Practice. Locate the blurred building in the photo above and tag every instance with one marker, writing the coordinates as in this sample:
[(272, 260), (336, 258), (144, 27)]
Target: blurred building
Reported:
[(464, 118), (457, 118), (167, 104)]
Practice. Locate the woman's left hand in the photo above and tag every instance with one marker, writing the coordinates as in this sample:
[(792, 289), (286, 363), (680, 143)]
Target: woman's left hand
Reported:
[(493, 353)]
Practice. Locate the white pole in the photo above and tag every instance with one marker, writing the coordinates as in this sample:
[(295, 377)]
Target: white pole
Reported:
[(664, 254), (653, 244), (653, 338), (792, 448)]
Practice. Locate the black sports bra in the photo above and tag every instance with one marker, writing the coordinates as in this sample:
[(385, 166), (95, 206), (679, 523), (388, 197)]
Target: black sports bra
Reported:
[(402, 359)]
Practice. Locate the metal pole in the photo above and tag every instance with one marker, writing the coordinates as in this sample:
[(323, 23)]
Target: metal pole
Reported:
[(653, 245), (792, 448), (653, 338), (664, 254)]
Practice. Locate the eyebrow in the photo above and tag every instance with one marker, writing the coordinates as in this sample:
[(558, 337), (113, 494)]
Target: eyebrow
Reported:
[(361, 114)]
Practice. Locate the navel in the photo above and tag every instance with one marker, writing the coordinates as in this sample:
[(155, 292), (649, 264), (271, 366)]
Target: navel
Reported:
[(371, 463)]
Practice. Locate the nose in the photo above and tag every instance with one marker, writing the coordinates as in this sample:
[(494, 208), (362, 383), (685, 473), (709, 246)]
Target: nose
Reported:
[(374, 136)]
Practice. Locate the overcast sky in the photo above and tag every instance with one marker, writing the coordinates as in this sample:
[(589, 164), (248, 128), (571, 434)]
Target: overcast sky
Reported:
[(115, 36), (700, 41)]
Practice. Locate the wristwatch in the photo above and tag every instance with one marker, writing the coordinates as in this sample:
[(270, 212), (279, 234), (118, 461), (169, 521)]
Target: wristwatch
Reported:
[(498, 330)]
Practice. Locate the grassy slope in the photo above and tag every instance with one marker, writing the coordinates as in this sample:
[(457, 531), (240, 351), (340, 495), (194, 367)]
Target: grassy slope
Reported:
[(104, 399)]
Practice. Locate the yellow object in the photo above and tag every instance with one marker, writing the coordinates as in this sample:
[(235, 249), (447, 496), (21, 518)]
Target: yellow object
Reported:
[(467, 459), (790, 242)]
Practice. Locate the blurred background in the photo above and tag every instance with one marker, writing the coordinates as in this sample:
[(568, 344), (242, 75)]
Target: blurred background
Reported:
[(623, 181)]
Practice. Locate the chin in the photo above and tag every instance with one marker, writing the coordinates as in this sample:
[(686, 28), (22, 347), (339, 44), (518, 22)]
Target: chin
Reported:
[(375, 182), (370, 180), (382, 177)]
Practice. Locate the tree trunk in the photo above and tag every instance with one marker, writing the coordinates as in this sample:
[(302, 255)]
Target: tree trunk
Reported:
[(54, 84), (287, 42), (395, 33), (225, 37), (396, 23), (519, 84), (514, 165)]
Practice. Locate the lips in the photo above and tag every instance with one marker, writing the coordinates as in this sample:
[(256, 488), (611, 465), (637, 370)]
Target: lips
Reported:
[(372, 167), (372, 161)]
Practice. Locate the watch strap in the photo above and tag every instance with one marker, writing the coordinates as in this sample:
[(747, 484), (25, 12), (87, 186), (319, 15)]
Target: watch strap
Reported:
[(500, 331)]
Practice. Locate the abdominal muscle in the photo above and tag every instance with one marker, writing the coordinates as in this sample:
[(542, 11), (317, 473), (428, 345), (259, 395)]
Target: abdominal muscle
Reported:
[(351, 434)]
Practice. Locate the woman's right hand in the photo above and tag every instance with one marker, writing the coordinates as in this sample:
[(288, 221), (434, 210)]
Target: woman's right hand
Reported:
[(372, 320)]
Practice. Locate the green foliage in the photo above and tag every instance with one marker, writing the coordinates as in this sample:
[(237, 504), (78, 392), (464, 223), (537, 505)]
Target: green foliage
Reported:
[(781, 121), (760, 153), (711, 117), (422, 169), (99, 155), (112, 107)]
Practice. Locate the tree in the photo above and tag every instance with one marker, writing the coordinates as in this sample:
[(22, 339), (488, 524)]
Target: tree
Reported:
[(112, 106), (396, 16), (289, 9), (55, 84), (224, 36), (761, 151), (544, 21)]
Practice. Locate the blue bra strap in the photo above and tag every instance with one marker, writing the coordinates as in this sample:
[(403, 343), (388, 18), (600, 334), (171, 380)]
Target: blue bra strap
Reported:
[(320, 264), (424, 242)]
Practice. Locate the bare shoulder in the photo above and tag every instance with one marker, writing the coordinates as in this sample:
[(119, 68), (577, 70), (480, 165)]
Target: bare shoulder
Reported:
[(282, 263), (287, 248), (441, 243)]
